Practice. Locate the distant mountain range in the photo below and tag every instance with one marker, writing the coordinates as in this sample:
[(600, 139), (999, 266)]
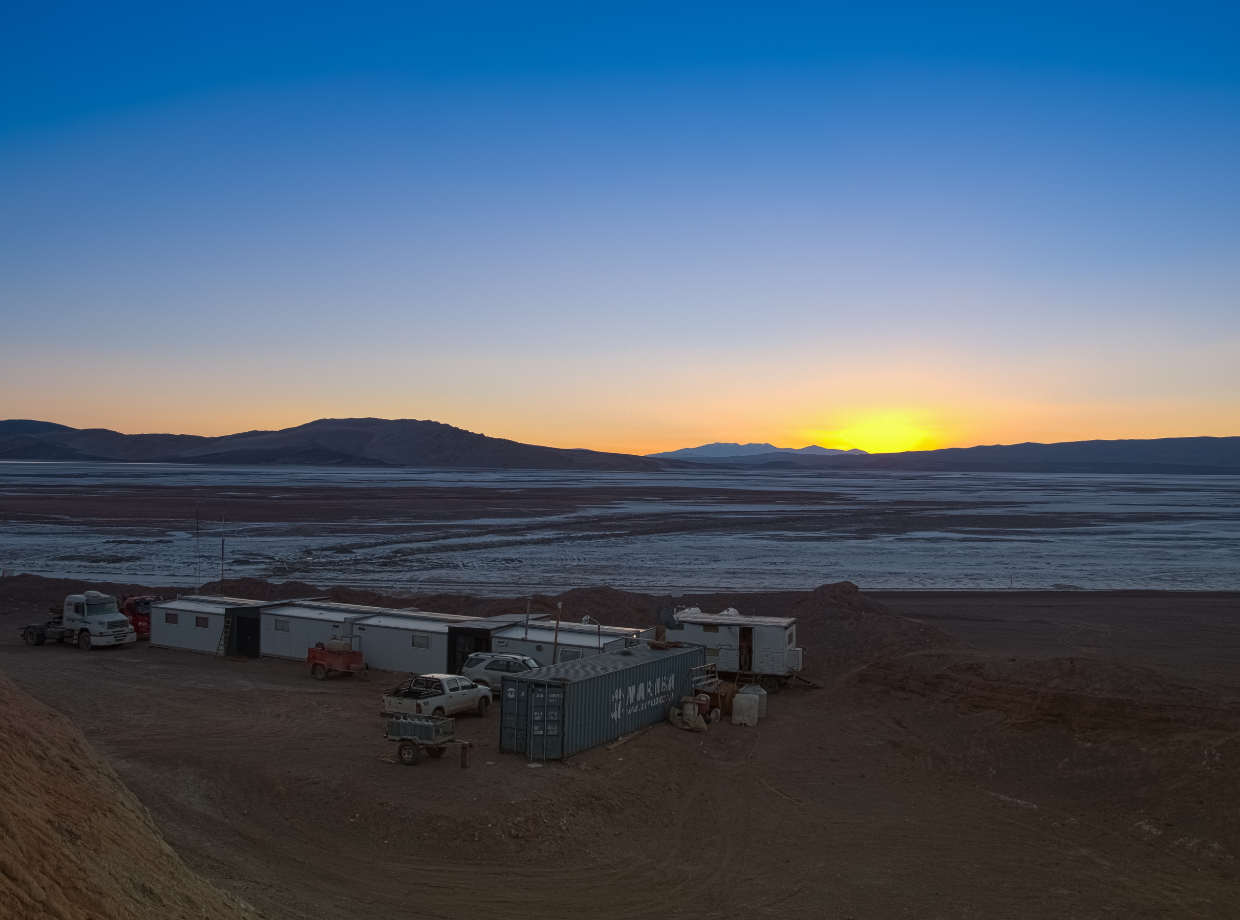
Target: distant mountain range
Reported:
[(326, 442), (722, 451), (409, 442), (1218, 456)]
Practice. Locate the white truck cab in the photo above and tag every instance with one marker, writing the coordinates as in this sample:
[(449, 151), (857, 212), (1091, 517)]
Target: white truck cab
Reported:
[(90, 620)]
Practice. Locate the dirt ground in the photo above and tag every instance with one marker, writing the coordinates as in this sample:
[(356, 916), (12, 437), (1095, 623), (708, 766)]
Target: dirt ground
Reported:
[(961, 761)]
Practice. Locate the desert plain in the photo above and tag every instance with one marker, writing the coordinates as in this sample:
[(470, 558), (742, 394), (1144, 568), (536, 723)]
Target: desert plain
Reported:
[(1053, 753)]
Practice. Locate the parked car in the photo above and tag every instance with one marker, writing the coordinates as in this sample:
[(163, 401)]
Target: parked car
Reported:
[(490, 667), (436, 695)]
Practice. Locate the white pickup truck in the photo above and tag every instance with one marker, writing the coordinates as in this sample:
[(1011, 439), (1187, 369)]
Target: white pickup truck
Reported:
[(436, 695)]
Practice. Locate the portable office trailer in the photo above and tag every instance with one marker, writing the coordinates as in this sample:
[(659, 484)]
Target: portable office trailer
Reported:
[(558, 711), (575, 640), (413, 641), (745, 645), (196, 623)]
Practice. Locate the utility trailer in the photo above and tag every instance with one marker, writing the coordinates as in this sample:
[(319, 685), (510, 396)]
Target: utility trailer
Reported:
[(89, 620), (337, 656), (432, 734)]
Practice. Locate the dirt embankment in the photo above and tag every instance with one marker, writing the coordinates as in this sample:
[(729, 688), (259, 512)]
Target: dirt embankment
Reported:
[(1086, 696), (75, 844)]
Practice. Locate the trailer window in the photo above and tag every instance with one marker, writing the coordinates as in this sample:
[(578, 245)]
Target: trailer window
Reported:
[(421, 640), (792, 635), (712, 627), (570, 654), (712, 653), (170, 618), (202, 622), (281, 625)]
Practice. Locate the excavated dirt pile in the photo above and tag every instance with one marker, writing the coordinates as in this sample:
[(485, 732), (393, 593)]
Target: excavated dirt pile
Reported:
[(841, 629), (74, 842), (1087, 696)]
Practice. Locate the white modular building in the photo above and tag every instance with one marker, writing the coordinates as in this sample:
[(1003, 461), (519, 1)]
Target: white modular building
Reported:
[(407, 641), (197, 623), (411, 641), (540, 640), (740, 644)]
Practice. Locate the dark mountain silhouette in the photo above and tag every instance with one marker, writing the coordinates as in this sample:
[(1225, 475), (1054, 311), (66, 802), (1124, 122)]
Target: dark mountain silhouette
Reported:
[(326, 442), (412, 443)]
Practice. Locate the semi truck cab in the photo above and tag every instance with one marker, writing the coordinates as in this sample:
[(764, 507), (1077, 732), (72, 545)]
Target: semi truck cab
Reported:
[(91, 620)]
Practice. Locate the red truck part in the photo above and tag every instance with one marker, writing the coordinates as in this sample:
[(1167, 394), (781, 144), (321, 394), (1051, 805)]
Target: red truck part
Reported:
[(137, 609)]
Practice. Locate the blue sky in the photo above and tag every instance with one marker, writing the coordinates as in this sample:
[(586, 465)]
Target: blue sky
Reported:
[(631, 226)]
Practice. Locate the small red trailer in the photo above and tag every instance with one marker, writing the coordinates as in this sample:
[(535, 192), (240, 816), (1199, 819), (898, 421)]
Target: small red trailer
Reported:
[(336, 657)]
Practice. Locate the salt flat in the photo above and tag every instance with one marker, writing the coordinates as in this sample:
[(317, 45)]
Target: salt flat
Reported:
[(507, 532)]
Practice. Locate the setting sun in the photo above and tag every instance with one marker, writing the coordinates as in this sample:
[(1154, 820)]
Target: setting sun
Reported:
[(879, 436)]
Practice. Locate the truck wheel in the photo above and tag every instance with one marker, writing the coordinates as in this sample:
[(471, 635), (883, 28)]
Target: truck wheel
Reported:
[(84, 642), (436, 751), (438, 713), (319, 672), (483, 703), (33, 636), (771, 685), (408, 753)]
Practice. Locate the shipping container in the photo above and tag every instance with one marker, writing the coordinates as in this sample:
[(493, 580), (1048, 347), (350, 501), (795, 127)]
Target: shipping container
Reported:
[(558, 711)]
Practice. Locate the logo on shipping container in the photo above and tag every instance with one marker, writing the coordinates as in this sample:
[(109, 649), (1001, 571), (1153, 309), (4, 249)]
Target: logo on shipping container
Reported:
[(641, 696)]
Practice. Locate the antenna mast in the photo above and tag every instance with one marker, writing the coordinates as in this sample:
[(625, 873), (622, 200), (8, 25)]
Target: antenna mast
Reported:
[(197, 549)]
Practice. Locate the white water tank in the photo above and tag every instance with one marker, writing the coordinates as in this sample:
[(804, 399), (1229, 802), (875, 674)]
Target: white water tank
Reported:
[(745, 709), (755, 690)]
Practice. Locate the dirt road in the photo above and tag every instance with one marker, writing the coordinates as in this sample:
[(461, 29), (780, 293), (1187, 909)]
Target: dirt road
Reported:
[(854, 801)]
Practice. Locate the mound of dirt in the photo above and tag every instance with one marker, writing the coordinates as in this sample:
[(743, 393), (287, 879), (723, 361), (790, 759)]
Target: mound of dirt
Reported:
[(74, 842), (1085, 695), (34, 590), (258, 589), (841, 629)]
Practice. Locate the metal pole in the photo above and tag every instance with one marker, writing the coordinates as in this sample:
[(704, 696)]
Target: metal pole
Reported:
[(589, 619), (528, 600), (556, 643), (221, 551)]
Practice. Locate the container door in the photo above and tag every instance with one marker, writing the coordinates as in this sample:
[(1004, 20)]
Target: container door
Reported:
[(546, 708), (513, 716)]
